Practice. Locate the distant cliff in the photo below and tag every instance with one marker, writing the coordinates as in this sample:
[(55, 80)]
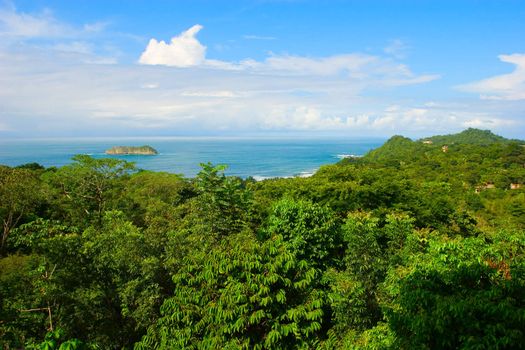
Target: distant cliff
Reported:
[(141, 150)]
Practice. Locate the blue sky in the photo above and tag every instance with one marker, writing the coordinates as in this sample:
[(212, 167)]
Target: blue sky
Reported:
[(356, 68)]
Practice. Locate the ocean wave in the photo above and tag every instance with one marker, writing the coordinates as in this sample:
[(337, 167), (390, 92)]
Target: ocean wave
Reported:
[(302, 174), (343, 156), (261, 178), (305, 174)]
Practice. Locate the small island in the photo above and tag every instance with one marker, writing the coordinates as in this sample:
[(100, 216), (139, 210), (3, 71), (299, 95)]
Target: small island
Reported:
[(139, 150)]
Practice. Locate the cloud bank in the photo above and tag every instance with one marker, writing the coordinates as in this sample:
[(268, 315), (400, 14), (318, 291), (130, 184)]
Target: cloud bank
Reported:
[(65, 88)]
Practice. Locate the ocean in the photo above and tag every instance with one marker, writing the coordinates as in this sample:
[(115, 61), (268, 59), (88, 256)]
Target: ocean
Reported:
[(260, 158)]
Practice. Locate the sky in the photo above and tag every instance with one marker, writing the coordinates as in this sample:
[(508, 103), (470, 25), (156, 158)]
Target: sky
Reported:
[(267, 67)]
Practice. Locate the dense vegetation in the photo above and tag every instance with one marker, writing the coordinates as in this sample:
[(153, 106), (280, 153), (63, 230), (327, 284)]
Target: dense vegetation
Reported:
[(413, 246)]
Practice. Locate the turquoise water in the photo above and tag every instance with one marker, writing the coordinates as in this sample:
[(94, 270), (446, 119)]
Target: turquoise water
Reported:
[(260, 158)]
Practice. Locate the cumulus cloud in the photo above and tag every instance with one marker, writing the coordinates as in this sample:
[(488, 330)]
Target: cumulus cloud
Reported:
[(502, 87), (183, 50)]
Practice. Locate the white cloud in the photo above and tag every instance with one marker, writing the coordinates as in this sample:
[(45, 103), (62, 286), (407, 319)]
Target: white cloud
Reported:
[(75, 47), (502, 87), (397, 48), (351, 64), (183, 50), (186, 51), (4, 127), (150, 86), (39, 31), (95, 27), (258, 37), (311, 118), (435, 118), (295, 118), (488, 123), (393, 119), (100, 60), (220, 93), (41, 25)]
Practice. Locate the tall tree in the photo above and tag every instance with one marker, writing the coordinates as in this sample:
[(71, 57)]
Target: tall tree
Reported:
[(89, 185), (19, 194)]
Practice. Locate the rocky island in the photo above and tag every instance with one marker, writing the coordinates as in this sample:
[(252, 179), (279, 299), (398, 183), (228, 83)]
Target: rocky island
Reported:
[(139, 150)]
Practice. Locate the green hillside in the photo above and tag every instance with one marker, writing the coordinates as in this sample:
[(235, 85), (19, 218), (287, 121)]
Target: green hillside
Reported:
[(401, 150), (397, 147), (469, 136)]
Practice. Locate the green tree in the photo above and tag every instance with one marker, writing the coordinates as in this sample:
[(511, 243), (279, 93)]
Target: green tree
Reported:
[(54, 340), (102, 286), (466, 293), (89, 186), (223, 202), (20, 194), (17, 293), (151, 199), (372, 246), (311, 230), (132, 269), (259, 295)]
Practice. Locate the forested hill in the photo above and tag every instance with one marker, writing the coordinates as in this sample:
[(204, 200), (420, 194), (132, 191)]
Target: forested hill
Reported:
[(397, 147), (465, 143), (468, 137), (413, 246)]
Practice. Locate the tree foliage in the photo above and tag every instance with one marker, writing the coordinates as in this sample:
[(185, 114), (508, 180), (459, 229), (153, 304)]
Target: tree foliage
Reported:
[(257, 296)]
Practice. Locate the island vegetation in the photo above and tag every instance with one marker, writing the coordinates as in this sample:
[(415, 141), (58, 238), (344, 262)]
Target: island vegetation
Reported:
[(413, 246), (139, 150)]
